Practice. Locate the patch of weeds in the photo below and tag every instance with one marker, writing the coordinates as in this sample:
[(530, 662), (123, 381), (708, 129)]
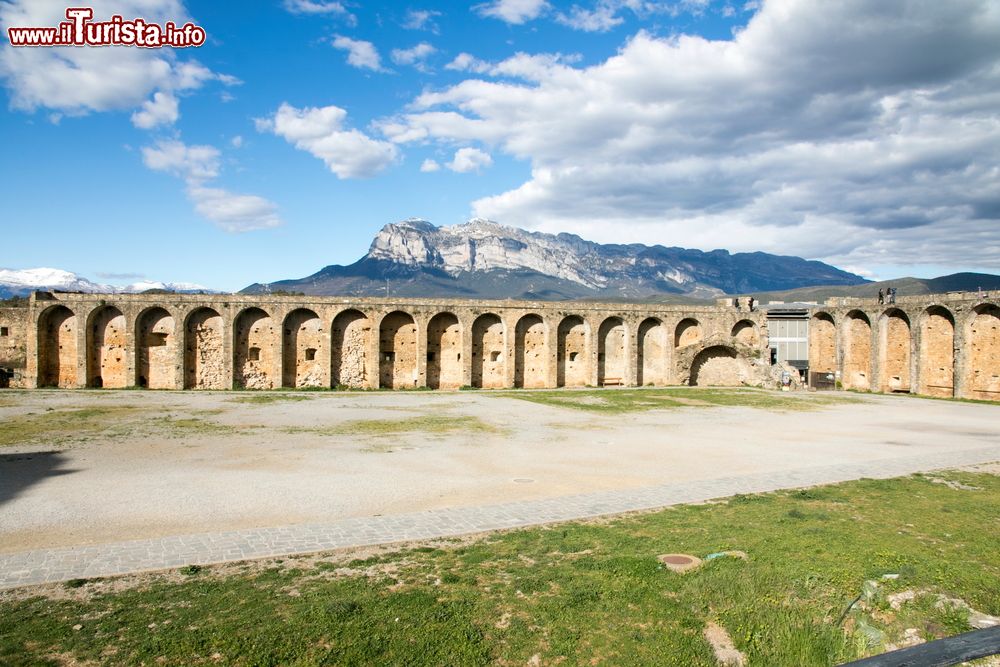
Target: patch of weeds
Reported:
[(421, 424), (60, 426), (189, 570), (75, 583), (268, 398)]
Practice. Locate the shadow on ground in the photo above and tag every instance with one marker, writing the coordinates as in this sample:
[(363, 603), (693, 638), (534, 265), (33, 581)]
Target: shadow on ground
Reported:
[(21, 471)]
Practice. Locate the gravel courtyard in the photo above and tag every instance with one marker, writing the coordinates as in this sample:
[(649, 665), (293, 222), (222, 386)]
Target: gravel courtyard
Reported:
[(93, 467)]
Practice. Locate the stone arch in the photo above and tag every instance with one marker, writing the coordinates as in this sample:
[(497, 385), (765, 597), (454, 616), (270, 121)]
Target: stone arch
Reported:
[(204, 364), (894, 354), (444, 352), (156, 350), (936, 372), (107, 339), (573, 369), (57, 358), (718, 366), (746, 333), (489, 363), (397, 351), (303, 347), (256, 348), (612, 362), (983, 334), (856, 339), (349, 365), (530, 352), (688, 332), (651, 344), (822, 344)]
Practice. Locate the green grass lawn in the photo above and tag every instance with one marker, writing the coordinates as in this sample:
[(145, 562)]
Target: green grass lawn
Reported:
[(617, 401), (570, 594)]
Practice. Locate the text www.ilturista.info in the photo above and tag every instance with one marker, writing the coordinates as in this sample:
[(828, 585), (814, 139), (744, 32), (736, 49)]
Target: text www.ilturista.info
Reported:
[(79, 30)]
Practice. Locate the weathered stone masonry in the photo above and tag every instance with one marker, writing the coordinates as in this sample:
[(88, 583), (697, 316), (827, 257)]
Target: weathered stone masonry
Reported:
[(264, 342), (937, 345)]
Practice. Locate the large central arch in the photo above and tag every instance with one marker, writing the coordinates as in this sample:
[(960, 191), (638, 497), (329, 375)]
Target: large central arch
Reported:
[(489, 362), (611, 356), (256, 350), (531, 353), (856, 338), (349, 356), (444, 352), (397, 351), (204, 363), (937, 353), (718, 366), (303, 349), (156, 353), (57, 347), (894, 351), (573, 360), (107, 364), (651, 365)]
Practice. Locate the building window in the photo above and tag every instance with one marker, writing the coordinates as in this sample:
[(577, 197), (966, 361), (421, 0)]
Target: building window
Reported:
[(494, 356), (310, 354), (253, 354), (4, 331), (572, 356)]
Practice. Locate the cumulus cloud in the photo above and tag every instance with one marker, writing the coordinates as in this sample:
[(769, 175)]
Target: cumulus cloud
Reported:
[(414, 56), (320, 132), (469, 159), (421, 19), (514, 12), (879, 121), (601, 18), (429, 165), (360, 54), (77, 81), (197, 166), (315, 7)]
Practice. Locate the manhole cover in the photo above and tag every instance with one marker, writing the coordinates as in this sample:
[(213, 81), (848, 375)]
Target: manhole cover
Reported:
[(679, 562), (523, 480)]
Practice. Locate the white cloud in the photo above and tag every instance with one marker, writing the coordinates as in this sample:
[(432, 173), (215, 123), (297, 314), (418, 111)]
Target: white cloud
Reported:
[(360, 54), (414, 56), (198, 166), (236, 142), (320, 132), (429, 165), (466, 62), (315, 7), (879, 122), (421, 19), (469, 159), (161, 110), (513, 11), (77, 81), (602, 18)]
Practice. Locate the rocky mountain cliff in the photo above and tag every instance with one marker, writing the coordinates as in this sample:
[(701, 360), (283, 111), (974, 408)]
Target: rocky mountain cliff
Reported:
[(484, 259)]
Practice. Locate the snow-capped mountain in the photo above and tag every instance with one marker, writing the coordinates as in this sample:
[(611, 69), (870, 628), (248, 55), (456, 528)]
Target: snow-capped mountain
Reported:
[(482, 258), (23, 282)]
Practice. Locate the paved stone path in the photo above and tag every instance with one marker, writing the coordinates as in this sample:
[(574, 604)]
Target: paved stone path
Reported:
[(52, 565)]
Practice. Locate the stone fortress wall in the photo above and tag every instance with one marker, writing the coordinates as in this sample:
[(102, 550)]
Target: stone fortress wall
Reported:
[(938, 345)]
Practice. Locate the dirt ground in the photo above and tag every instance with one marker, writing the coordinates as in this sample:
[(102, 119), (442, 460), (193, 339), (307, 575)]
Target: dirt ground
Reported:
[(184, 462)]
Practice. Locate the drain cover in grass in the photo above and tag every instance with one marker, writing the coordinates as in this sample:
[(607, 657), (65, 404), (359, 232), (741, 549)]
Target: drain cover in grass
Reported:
[(679, 562)]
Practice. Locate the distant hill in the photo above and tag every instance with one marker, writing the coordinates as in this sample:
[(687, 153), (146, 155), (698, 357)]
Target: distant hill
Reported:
[(956, 282), (15, 283), (484, 259)]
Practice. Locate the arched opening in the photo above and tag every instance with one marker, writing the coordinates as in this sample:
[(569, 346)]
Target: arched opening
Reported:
[(984, 354), (204, 364), (489, 363), (156, 356), (255, 350), (688, 332), (57, 357), (937, 353), (303, 343), (444, 352), (822, 344), (894, 351), (349, 356), (611, 366), (651, 365), (530, 353), (856, 338), (397, 351), (573, 362), (107, 364), (746, 333), (718, 366)]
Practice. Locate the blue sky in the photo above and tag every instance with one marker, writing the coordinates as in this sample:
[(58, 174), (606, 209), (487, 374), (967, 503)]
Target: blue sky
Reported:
[(866, 134)]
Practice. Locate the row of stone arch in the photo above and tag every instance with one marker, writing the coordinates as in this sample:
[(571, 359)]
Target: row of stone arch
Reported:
[(897, 355), (351, 350)]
